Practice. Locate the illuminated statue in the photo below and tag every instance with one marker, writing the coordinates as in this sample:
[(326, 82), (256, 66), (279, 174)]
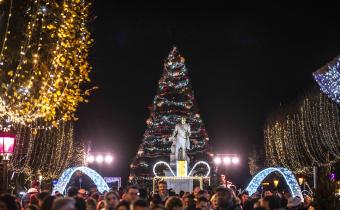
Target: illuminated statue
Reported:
[(180, 139)]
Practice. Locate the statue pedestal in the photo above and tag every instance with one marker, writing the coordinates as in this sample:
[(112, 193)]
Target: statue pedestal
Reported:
[(180, 184)]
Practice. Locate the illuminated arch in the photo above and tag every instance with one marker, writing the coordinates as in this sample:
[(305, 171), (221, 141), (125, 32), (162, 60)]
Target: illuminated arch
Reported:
[(287, 175), (67, 174), (162, 163)]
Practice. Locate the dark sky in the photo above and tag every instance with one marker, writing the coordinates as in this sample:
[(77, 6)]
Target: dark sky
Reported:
[(243, 63)]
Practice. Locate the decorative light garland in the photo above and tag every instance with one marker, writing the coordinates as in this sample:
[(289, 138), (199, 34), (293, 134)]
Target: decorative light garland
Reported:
[(287, 175), (67, 174), (198, 163), (44, 81), (162, 163), (328, 78)]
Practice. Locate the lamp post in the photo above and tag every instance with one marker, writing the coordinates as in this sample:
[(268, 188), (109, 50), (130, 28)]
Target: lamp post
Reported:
[(7, 144)]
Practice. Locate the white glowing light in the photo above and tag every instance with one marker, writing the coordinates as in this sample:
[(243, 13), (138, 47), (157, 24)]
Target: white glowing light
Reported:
[(287, 175), (108, 159), (162, 163), (217, 160), (200, 162), (99, 159), (227, 160), (90, 159), (235, 160), (67, 174)]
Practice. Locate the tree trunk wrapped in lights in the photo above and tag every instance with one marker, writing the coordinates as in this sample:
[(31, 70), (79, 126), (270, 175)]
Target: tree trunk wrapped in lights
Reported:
[(174, 100), (306, 136), (43, 61)]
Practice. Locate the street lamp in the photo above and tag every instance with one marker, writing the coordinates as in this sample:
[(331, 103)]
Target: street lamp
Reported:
[(99, 158), (226, 159), (7, 144)]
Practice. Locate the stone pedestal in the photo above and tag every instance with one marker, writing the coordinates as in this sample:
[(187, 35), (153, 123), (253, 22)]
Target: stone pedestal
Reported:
[(180, 184)]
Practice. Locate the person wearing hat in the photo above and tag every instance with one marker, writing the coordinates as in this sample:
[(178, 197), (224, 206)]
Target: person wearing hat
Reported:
[(295, 203)]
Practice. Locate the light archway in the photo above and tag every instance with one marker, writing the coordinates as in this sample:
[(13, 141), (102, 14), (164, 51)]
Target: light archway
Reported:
[(67, 174), (287, 175)]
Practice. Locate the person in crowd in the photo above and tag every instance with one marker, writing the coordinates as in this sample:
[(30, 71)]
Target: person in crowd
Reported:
[(123, 205), (224, 198), (82, 193), (95, 196), (47, 202), (163, 192), (64, 204), (80, 203), (307, 204), (34, 200), (174, 203), (41, 197), (196, 191), (72, 192), (295, 203), (244, 197), (140, 204), (111, 200), (158, 207), (272, 202), (188, 201), (267, 193), (7, 202), (91, 204), (213, 202), (32, 207), (132, 194), (202, 203), (203, 193)]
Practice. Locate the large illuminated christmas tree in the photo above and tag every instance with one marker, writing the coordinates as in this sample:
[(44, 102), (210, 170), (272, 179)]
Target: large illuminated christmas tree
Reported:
[(174, 100)]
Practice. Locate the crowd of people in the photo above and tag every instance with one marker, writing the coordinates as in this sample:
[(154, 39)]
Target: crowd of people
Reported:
[(134, 198)]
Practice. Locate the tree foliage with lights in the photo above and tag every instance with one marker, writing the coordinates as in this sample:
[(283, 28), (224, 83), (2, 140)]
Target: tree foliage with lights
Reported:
[(328, 78), (309, 135), (43, 61), (174, 100)]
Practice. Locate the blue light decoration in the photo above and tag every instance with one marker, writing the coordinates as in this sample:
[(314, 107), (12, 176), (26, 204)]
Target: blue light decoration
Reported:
[(287, 175), (67, 174), (328, 78)]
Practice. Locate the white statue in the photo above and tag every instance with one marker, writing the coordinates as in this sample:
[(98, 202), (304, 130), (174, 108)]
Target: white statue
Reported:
[(180, 137)]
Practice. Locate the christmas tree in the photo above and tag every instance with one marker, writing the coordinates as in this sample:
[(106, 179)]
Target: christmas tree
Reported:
[(174, 100)]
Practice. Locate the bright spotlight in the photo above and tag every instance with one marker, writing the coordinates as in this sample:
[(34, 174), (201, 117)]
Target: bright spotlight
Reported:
[(108, 158), (235, 160), (217, 160), (90, 159), (99, 159), (226, 160)]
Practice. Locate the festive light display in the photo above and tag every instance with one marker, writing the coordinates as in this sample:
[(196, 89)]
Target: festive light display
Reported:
[(287, 175), (67, 175), (308, 135), (47, 151), (198, 163), (328, 78), (162, 163), (43, 62), (174, 100)]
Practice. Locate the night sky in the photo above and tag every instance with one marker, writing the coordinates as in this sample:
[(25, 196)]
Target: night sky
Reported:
[(243, 63)]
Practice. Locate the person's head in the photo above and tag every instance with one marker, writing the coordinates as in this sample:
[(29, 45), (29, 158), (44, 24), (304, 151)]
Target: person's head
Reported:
[(202, 203), (140, 204), (7, 202), (123, 205), (81, 193), (196, 191), (72, 192), (32, 207), (91, 203), (111, 199), (47, 203), (132, 194), (271, 202), (213, 201), (174, 203), (64, 204), (162, 187), (41, 197), (203, 193), (80, 203), (267, 193), (188, 200), (224, 197), (34, 200), (158, 207), (307, 200), (244, 197)]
